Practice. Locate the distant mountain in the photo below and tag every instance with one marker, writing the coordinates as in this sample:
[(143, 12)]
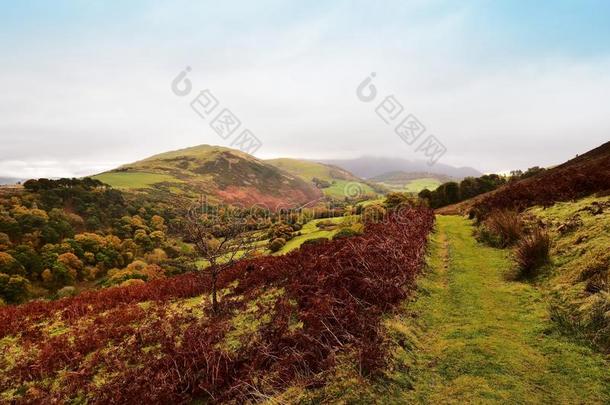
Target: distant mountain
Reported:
[(334, 181), (9, 181), (368, 166), (222, 174)]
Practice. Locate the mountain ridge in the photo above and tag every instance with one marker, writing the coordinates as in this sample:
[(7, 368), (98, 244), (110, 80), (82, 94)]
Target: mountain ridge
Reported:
[(371, 166)]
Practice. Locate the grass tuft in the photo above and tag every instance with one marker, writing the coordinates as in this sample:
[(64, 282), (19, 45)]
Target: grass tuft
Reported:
[(532, 252)]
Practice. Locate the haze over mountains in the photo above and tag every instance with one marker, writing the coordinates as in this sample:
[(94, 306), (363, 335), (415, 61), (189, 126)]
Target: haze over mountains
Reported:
[(9, 181), (371, 166), (237, 177)]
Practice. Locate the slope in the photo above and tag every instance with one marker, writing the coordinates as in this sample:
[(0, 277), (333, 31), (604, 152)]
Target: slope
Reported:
[(412, 182), (339, 182), (579, 177), (471, 336), (487, 339), (223, 174)]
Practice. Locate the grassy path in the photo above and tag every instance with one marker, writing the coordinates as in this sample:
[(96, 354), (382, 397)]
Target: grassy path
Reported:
[(488, 340)]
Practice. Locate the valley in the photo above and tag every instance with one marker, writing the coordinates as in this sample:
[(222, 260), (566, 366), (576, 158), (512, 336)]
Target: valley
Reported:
[(132, 285), (304, 203)]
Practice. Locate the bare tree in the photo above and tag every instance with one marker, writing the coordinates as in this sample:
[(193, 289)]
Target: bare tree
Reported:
[(221, 236)]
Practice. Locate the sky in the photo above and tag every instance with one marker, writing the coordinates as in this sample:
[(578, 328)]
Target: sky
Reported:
[(87, 84)]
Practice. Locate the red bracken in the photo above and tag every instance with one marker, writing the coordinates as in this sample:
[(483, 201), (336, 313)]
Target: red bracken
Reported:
[(338, 290)]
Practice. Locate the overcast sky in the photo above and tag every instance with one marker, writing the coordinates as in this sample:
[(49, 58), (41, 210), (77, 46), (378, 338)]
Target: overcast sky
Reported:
[(85, 84)]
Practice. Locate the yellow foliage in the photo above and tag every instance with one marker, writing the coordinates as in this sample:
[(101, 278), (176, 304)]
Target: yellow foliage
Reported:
[(47, 276), (158, 223), (131, 281), (70, 261), (156, 256)]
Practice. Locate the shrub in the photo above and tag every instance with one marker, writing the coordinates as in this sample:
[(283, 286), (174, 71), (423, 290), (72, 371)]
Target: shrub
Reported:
[(333, 301), (5, 241), (373, 213), (501, 229), (346, 233), (13, 288), (132, 281), (325, 224), (276, 244), (280, 230), (532, 252), (67, 291), (314, 241), (395, 199), (9, 265)]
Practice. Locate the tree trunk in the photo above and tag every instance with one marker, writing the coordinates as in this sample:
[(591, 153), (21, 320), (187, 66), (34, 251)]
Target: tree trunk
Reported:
[(214, 298)]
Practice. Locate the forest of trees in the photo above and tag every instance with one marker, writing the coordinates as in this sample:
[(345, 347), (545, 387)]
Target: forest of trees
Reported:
[(61, 232), (59, 236), (453, 192)]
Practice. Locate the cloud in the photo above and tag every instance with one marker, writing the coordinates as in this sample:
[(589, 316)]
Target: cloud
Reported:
[(289, 72)]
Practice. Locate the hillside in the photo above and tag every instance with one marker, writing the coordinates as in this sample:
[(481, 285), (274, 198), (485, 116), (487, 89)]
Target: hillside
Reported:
[(340, 182), (220, 173), (368, 167), (579, 177), (412, 182), (285, 320)]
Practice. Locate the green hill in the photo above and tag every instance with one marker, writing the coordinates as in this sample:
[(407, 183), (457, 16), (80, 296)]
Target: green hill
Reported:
[(334, 181), (412, 182), (222, 174)]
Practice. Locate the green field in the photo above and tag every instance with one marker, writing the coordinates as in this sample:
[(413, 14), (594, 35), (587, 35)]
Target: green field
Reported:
[(413, 186), (342, 182), (134, 179), (376, 201), (343, 188), (418, 185), (304, 169), (311, 231)]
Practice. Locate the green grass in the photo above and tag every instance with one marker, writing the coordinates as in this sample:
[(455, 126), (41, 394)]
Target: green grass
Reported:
[(304, 169), (488, 340), (343, 188), (592, 234), (415, 186), (470, 336), (134, 179), (311, 231), (377, 201), (307, 170), (580, 259)]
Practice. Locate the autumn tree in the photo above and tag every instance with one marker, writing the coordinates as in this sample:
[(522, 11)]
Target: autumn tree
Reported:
[(221, 237)]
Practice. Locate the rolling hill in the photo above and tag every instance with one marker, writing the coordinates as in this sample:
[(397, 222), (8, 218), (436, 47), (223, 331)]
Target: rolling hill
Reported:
[(341, 183), (222, 174), (413, 182)]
